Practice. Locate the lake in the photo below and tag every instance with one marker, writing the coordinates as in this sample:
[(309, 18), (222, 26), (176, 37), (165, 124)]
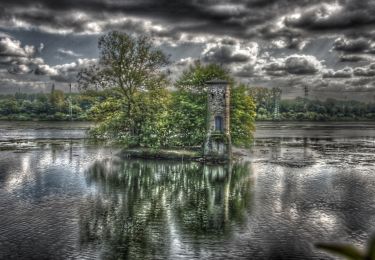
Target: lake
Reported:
[(62, 197)]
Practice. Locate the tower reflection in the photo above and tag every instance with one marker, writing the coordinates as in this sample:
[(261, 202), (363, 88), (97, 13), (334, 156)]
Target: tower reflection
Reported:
[(147, 208)]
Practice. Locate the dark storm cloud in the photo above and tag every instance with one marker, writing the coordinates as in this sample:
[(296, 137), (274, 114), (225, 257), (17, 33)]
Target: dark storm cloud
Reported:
[(12, 48), (68, 72), (275, 69), (302, 65), (44, 69), (358, 45), (229, 17), (20, 69), (353, 58), (344, 14), (225, 54), (368, 71), (344, 73), (268, 39), (17, 58), (295, 64), (244, 71), (351, 45), (82, 16), (287, 19), (65, 72)]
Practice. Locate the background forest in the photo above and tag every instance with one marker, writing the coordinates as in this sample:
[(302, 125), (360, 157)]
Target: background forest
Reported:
[(41, 106)]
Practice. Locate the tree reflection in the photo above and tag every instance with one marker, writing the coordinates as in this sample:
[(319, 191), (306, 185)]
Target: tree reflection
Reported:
[(150, 208)]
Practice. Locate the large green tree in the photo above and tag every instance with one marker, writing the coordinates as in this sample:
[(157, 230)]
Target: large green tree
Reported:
[(127, 65), (131, 67)]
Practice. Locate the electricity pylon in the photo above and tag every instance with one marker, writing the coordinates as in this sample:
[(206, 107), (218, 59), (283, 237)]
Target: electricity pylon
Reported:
[(306, 97), (306, 91), (276, 94), (70, 103)]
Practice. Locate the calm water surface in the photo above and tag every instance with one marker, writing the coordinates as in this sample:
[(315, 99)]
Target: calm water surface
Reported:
[(63, 198)]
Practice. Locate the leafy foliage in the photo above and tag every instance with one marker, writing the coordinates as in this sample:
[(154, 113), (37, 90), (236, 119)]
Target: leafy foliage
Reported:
[(195, 77), (147, 125), (126, 64), (187, 118), (131, 68), (192, 109), (242, 116)]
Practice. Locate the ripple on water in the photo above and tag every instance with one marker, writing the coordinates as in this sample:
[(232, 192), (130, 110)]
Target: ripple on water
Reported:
[(81, 202)]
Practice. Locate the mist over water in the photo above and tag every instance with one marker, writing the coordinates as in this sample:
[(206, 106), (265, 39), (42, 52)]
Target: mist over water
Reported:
[(62, 198)]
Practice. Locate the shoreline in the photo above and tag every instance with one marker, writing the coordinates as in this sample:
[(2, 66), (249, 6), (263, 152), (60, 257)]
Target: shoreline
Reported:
[(179, 154)]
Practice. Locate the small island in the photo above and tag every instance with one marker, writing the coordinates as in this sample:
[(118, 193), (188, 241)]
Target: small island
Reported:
[(198, 117)]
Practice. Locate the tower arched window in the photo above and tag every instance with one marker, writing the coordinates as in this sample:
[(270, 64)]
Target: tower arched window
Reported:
[(219, 124)]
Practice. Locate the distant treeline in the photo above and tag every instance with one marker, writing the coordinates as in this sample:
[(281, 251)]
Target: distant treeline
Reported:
[(328, 110), (300, 109), (51, 106), (56, 105)]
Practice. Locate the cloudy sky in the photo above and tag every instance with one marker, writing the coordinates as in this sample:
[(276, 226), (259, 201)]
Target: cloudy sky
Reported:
[(328, 46)]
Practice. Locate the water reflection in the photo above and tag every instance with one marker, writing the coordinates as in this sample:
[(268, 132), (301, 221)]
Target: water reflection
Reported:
[(66, 199), (148, 209)]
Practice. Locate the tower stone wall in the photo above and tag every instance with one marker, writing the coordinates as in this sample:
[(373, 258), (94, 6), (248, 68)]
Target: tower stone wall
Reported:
[(218, 142)]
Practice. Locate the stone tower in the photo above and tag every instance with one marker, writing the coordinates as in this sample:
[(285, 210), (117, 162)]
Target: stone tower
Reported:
[(218, 142)]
